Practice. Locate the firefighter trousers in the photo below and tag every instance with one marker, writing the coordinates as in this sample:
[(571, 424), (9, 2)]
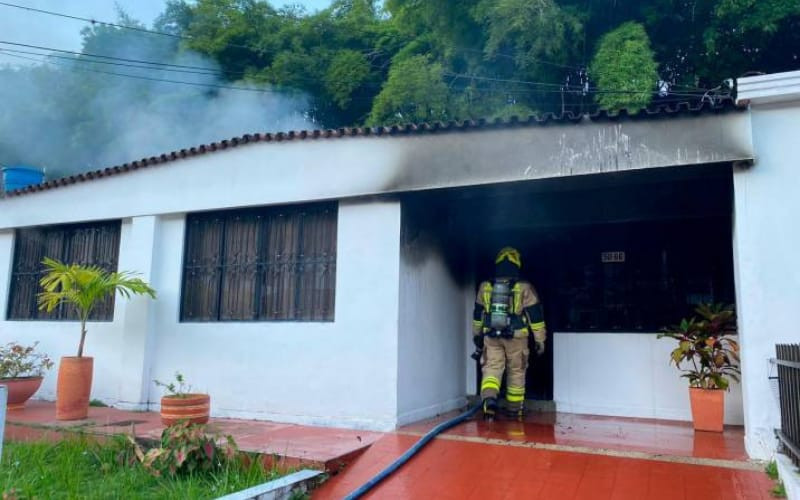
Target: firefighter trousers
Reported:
[(500, 353)]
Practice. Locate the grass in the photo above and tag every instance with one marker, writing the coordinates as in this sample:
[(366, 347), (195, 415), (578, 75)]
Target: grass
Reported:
[(97, 403), (80, 467), (779, 490), (772, 470)]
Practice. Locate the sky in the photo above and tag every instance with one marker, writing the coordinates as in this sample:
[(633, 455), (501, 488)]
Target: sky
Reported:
[(49, 31)]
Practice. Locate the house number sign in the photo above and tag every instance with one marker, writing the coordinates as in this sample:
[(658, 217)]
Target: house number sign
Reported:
[(609, 257)]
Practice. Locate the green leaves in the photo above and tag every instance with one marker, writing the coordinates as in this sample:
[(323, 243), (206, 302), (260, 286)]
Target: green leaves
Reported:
[(186, 448), (705, 344), (17, 361), (83, 287), (414, 92), (347, 71), (624, 68)]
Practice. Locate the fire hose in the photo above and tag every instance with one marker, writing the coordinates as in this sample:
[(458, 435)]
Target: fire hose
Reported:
[(405, 457)]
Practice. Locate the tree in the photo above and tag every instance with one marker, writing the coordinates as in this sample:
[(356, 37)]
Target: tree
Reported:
[(624, 68), (83, 287), (414, 92)]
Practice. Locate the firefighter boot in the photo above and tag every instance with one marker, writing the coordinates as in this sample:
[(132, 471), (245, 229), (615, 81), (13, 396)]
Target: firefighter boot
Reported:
[(517, 413), (489, 408)]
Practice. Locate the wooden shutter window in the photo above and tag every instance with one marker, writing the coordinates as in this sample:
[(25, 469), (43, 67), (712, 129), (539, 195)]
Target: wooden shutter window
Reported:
[(87, 244), (270, 264)]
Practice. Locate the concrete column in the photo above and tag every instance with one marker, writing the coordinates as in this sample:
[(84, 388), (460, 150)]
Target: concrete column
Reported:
[(6, 262), (766, 247), (137, 249)]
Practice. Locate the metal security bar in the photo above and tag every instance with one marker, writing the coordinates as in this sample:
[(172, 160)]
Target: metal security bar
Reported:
[(95, 244), (265, 264), (788, 363)]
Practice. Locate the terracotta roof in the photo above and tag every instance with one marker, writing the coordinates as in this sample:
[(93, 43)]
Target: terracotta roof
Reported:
[(662, 111)]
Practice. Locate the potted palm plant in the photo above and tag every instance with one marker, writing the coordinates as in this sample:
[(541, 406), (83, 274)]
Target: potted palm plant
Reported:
[(81, 287), (22, 371), (711, 354)]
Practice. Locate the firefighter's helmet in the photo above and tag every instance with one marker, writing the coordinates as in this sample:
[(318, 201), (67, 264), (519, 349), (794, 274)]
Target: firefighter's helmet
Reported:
[(510, 254)]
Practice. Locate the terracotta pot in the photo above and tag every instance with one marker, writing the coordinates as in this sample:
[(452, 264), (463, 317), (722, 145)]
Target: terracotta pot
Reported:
[(73, 387), (20, 390), (708, 408), (192, 407)]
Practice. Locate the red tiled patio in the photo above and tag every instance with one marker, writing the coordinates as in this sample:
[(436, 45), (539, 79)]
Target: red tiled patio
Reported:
[(316, 447), (561, 456), (555, 456)]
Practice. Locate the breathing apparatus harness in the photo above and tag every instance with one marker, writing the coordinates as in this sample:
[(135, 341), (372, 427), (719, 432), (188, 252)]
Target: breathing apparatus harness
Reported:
[(499, 316), (501, 299)]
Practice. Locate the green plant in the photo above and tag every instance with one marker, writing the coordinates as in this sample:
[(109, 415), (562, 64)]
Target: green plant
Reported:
[(706, 342), (186, 448), (19, 361), (779, 490), (83, 287), (81, 466), (772, 470), (177, 389), (97, 404)]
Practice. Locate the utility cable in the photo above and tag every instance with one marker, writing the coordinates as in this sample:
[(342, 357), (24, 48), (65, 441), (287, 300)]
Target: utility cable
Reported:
[(139, 77)]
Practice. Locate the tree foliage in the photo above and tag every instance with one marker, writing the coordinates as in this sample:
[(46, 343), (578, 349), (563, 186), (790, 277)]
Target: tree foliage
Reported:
[(624, 68), (366, 61)]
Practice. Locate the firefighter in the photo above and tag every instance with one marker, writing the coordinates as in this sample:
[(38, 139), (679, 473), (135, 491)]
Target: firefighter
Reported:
[(507, 311)]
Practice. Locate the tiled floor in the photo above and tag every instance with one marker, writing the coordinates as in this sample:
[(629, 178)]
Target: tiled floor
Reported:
[(464, 470), (611, 433), (320, 447), (522, 460)]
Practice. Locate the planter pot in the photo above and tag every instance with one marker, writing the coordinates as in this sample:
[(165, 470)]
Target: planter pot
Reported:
[(192, 407), (708, 408), (73, 387), (20, 390)]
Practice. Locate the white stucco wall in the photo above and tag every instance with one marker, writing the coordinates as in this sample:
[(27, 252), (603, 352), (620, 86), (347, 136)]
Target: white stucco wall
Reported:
[(431, 336), (766, 242), (104, 340), (341, 373), (624, 374)]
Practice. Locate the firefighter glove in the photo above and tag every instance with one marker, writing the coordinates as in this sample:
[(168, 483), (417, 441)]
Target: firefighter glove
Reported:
[(539, 347)]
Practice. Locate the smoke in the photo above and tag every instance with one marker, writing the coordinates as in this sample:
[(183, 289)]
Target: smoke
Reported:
[(66, 116)]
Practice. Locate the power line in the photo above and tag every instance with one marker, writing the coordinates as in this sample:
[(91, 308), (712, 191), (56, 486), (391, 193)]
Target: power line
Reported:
[(554, 87), (101, 56), (114, 25), (85, 61), (139, 77)]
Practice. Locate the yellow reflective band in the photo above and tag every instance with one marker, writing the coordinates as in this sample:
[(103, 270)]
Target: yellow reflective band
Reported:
[(538, 326), (514, 399), (516, 390), (487, 296), (490, 383), (517, 290), (477, 322)]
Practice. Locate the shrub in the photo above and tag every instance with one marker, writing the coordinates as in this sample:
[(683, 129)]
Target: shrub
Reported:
[(19, 361)]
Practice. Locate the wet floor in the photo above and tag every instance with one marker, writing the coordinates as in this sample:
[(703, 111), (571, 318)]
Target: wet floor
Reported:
[(561, 456)]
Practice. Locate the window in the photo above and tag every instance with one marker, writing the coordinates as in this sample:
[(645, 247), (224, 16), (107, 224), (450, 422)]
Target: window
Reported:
[(637, 276), (267, 264), (93, 244)]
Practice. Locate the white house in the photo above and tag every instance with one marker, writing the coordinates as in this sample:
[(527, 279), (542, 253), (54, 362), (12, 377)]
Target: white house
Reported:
[(328, 277)]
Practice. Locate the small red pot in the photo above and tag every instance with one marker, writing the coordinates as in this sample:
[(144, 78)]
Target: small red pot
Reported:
[(20, 390), (192, 407)]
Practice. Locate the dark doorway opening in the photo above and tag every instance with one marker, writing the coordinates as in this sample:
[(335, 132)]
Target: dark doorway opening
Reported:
[(629, 252)]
